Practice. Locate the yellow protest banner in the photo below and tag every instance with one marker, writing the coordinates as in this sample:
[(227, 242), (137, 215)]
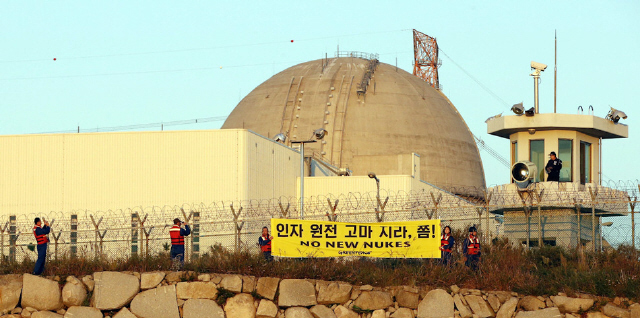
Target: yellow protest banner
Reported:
[(303, 238)]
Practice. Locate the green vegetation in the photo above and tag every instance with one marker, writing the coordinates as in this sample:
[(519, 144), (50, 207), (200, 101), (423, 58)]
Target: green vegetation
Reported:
[(223, 295)]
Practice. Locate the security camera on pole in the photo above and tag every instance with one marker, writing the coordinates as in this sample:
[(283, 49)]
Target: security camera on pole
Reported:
[(318, 134), (537, 68)]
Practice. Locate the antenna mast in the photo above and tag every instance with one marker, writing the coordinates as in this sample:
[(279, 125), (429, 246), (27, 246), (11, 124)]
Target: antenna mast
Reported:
[(426, 62), (555, 74)]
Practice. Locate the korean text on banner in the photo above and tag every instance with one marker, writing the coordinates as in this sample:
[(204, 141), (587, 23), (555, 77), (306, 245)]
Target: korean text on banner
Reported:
[(302, 238)]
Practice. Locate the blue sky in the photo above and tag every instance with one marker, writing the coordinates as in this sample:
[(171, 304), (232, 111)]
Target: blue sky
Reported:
[(136, 62)]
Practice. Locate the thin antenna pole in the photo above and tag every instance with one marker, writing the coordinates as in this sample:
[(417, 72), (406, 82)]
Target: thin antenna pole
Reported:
[(555, 75)]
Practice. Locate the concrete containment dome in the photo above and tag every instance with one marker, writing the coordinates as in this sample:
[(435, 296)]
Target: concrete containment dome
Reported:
[(376, 116)]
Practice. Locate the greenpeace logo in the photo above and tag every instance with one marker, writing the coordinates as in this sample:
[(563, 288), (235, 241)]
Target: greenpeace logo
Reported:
[(353, 253)]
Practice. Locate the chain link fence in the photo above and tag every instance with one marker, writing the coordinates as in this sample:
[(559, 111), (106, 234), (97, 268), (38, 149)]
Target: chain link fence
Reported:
[(570, 215)]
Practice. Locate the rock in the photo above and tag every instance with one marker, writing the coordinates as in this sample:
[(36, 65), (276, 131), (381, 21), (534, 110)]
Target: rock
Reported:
[(89, 282), (614, 311), (46, 314), (159, 302), (402, 313), (296, 292), (114, 290), (124, 313), (10, 316), (572, 305), (240, 306), (196, 290), (596, 315), (344, 312), (73, 292), (508, 308), (297, 312), (479, 306), (196, 308), (10, 290), (455, 289), (40, 293), (151, 280), (322, 311), (248, 284), (16, 310), (372, 300), (531, 303), (378, 314), (366, 288), (232, 283), (333, 292), (635, 310), (204, 277), (463, 310), (83, 312), (437, 303), (408, 299), (494, 301), (552, 312), (216, 278), (503, 296), (267, 287), (174, 277), (266, 309)]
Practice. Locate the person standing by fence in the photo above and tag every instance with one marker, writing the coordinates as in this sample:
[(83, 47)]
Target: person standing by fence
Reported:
[(265, 244), (40, 232), (446, 245), (177, 234), (471, 249)]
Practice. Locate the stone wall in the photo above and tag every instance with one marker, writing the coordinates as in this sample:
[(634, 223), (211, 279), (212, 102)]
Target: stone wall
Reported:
[(189, 295)]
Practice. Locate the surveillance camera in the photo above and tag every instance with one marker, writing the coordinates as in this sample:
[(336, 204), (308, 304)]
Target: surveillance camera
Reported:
[(280, 138), (538, 66), (320, 133), (518, 109), (615, 115)]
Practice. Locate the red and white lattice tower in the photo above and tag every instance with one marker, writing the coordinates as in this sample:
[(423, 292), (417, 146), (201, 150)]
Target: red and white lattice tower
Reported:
[(426, 62)]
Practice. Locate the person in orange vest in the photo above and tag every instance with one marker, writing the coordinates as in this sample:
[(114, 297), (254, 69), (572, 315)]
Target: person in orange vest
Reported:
[(471, 249), (265, 244), (446, 245), (40, 232), (177, 233)]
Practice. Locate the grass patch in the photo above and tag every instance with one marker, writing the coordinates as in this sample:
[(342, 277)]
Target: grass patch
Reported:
[(223, 295)]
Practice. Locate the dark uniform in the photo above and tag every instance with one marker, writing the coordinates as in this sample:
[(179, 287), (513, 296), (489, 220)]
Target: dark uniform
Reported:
[(41, 237), (177, 243), (446, 244), (553, 168), (471, 250), (265, 247)]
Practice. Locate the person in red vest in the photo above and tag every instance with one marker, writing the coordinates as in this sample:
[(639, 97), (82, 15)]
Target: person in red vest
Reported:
[(471, 249), (40, 232), (446, 245), (177, 233), (265, 244)]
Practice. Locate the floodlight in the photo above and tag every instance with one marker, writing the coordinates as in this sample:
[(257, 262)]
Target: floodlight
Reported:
[(320, 133), (615, 115), (530, 112), (538, 66), (523, 173), (518, 109), (280, 138), (607, 223)]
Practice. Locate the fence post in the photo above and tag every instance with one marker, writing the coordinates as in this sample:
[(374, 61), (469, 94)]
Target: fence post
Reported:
[(147, 234), (134, 233), (3, 229), (238, 226), (186, 247), (73, 235), (487, 196), (331, 216), (98, 246), (284, 212), (13, 237), (142, 234), (593, 218), (195, 235), (632, 205), (538, 196), (579, 217), (380, 209)]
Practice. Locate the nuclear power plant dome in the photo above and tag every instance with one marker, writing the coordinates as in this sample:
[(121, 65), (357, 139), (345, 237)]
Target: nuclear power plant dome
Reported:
[(374, 113)]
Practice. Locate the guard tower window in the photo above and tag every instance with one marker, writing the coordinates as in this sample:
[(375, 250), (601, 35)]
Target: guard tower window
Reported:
[(585, 162), (565, 153), (537, 156)]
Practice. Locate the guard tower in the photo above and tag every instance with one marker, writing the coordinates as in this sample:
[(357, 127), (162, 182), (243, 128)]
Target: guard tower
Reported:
[(567, 212)]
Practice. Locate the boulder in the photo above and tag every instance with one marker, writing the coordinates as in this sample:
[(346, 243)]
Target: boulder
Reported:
[(614, 311), (159, 302), (463, 310), (455, 289), (10, 290), (248, 284), (531, 303), (437, 303), (344, 312), (572, 305), (494, 301), (380, 313), (151, 280), (45, 314), (83, 312), (267, 287), (635, 310), (266, 309), (372, 300), (596, 314), (196, 308), (322, 311), (114, 290), (479, 306), (73, 292), (552, 312), (297, 312), (232, 283), (40, 293), (89, 282), (296, 292), (124, 313), (508, 308), (402, 313), (196, 290), (408, 299), (333, 292), (240, 306), (503, 296), (204, 277)]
